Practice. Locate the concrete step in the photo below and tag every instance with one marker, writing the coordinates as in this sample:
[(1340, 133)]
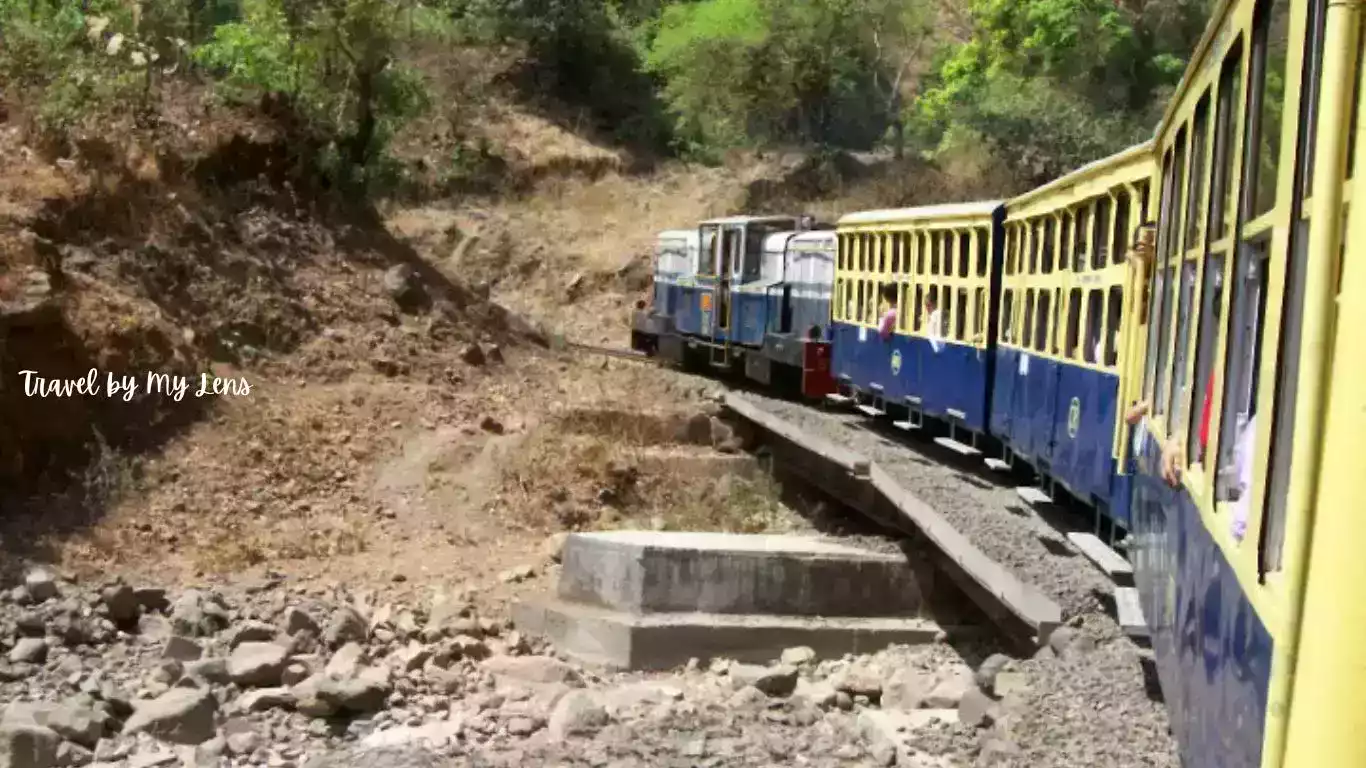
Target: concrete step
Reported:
[(1129, 612), (1110, 562), (657, 641), (963, 449), (668, 572), (1033, 496), (998, 465)]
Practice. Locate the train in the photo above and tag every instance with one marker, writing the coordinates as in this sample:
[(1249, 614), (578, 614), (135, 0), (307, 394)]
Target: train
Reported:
[(1165, 337)]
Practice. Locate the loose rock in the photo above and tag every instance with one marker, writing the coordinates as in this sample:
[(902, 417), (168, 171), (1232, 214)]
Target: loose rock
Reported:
[(180, 716), (257, 664), (579, 712), (778, 680)]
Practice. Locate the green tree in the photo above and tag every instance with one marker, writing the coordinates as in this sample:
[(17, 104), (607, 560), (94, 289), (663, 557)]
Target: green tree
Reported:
[(1056, 83), (335, 61)]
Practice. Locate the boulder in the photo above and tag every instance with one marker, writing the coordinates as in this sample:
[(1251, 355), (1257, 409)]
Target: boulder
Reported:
[(779, 680), (180, 716), (257, 664)]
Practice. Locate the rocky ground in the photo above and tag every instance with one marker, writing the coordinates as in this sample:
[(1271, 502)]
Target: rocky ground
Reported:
[(268, 672)]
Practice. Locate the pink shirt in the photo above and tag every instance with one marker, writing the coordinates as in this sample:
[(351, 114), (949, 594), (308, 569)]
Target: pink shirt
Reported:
[(888, 323)]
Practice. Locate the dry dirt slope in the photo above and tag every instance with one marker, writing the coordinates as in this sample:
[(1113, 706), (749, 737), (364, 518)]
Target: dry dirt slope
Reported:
[(401, 398)]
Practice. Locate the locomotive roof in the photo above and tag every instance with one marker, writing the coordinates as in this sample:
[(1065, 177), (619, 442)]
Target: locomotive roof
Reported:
[(750, 219), (947, 211)]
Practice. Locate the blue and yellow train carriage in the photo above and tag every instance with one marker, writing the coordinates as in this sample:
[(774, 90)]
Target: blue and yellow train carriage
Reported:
[(1249, 562), (937, 360), (1064, 336)]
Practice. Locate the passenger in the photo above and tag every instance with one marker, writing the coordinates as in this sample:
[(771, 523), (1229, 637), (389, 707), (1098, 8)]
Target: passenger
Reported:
[(934, 322), (1141, 258), (888, 323), (1172, 459)]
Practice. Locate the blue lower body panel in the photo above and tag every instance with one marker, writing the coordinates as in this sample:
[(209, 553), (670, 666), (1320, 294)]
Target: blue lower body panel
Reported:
[(953, 378), (1213, 651)]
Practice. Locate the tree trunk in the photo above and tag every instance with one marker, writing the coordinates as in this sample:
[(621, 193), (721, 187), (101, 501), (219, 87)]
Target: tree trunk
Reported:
[(898, 138), (365, 117)]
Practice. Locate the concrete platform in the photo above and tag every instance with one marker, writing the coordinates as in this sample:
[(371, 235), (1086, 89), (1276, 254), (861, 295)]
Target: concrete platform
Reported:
[(659, 572), (1026, 614), (623, 640)]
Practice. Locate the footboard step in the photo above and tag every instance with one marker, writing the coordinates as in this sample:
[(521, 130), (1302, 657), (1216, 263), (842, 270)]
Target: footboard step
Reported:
[(962, 449), (1033, 495), (1129, 612), (1110, 562), (906, 425), (999, 465), (869, 410)]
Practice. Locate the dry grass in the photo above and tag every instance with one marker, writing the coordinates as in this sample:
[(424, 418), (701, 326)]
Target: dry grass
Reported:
[(600, 468)]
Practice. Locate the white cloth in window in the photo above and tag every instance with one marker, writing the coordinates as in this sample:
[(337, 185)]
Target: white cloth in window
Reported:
[(1242, 464), (935, 330)]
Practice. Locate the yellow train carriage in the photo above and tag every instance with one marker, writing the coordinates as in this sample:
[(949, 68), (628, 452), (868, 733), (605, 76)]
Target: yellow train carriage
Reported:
[(937, 266), (1066, 328), (1249, 463)]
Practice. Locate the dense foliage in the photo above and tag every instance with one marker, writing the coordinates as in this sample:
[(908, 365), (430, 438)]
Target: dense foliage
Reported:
[(1036, 86)]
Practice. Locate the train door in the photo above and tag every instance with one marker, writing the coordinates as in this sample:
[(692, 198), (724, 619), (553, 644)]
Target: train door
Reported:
[(730, 245)]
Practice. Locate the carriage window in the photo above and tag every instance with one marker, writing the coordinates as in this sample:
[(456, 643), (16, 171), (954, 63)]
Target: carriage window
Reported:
[(858, 303), (1073, 322), (1195, 219), (1100, 234), (1121, 228), (1048, 226), (1007, 315), (1168, 250), (946, 316), (1143, 201), (979, 317), (1112, 322), (948, 254), (1211, 310), (1054, 331), (1064, 240), (1079, 225), (914, 311), (1095, 309), (1271, 22), (983, 238), (894, 245), (1010, 250), (902, 289), (934, 252), (1182, 348), (1035, 236), (961, 305), (1292, 313), (753, 263), (1156, 277), (964, 254), (1241, 365), (1041, 323), (1028, 325), (1225, 125)]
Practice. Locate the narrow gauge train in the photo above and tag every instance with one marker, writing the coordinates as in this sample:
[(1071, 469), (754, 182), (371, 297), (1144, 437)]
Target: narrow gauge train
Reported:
[(1239, 464)]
